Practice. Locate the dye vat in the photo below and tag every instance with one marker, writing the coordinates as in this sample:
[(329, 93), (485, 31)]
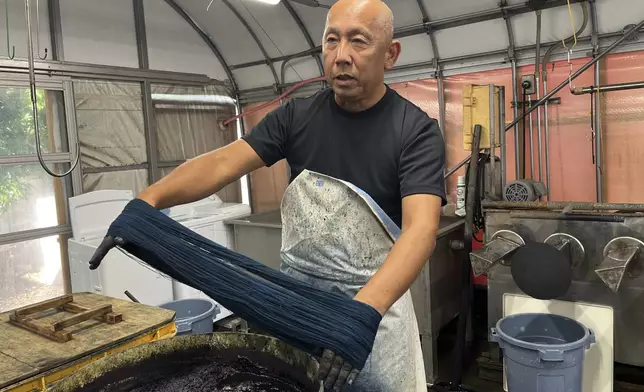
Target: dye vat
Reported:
[(218, 362)]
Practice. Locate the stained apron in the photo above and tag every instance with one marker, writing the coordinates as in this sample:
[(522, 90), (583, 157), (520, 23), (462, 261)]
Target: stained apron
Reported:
[(335, 237)]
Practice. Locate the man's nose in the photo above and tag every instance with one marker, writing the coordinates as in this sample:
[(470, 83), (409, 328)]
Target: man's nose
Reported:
[(343, 53)]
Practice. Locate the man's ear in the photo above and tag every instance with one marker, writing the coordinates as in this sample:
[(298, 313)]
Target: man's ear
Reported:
[(393, 52)]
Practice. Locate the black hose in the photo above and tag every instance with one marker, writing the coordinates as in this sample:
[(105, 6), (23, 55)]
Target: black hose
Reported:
[(466, 273)]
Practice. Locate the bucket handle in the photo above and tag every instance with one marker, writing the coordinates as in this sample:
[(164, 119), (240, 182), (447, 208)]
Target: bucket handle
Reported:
[(494, 336), (551, 355), (592, 339)]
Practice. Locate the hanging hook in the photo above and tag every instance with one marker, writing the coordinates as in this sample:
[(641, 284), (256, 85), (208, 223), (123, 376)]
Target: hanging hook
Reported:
[(572, 87), (10, 54), (34, 101), (38, 31)]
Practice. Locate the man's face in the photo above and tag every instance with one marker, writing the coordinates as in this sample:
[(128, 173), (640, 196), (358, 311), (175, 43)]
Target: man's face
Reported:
[(356, 53)]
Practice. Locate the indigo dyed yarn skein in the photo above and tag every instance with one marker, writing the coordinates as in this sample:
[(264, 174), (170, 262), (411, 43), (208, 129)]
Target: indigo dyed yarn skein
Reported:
[(293, 311)]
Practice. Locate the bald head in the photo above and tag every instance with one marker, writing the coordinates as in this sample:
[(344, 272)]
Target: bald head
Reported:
[(358, 47), (373, 13)]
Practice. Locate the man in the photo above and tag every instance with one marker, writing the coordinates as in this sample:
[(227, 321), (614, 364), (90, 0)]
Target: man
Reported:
[(364, 133)]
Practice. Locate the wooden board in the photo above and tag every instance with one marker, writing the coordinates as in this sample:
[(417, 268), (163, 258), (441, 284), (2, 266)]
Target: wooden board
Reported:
[(24, 354)]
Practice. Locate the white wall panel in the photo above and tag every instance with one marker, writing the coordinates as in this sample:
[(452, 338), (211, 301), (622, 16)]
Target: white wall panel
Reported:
[(18, 29), (555, 25), (257, 76), (406, 12), (300, 69), (99, 32), (273, 25), (415, 49), (174, 46), (232, 39), (613, 15), (314, 19), (439, 9), (474, 38)]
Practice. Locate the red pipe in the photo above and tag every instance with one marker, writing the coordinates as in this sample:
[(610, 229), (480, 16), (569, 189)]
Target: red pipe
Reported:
[(281, 96)]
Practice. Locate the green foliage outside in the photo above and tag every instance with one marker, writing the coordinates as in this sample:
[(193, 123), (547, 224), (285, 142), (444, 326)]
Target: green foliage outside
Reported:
[(17, 137)]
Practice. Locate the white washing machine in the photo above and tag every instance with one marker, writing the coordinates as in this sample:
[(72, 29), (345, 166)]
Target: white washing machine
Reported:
[(93, 212)]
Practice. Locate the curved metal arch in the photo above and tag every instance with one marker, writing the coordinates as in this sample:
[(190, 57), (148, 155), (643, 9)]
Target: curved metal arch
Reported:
[(243, 21), (206, 38), (305, 33), (429, 31)]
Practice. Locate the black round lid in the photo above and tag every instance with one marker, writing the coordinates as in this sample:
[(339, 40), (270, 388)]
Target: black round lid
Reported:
[(541, 270)]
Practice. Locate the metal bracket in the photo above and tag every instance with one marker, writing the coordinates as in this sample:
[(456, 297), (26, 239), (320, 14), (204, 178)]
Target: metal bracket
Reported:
[(501, 245), (622, 255), (570, 245)]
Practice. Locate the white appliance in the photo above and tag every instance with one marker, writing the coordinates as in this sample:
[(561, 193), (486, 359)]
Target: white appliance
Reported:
[(93, 212)]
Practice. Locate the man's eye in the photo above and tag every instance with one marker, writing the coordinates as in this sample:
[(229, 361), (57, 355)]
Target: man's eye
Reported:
[(359, 41), (331, 40)]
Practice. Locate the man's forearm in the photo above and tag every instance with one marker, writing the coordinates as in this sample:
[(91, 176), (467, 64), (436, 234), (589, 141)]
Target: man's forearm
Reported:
[(400, 269), (202, 176)]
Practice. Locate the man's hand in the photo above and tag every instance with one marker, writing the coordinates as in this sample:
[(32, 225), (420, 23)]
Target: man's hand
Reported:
[(335, 372), (105, 246)]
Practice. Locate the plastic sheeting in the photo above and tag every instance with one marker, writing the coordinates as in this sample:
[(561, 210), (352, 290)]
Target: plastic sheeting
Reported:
[(188, 124), (134, 180), (109, 118), (571, 143), (188, 129)]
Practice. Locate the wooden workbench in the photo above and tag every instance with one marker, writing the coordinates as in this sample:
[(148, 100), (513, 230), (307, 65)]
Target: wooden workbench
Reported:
[(29, 361)]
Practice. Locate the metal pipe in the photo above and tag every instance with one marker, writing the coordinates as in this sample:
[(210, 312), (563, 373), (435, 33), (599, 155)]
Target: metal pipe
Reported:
[(598, 137), (441, 101), (537, 76), (572, 206), (531, 136), (547, 136), (502, 136), (515, 110), (597, 114), (608, 88), (492, 141), (458, 166)]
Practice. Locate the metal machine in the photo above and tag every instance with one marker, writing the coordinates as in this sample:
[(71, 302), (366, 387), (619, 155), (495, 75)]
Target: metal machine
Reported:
[(604, 244)]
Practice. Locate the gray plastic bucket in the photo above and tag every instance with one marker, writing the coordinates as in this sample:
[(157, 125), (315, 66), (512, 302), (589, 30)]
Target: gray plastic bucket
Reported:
[(542, 352), (193, 316)]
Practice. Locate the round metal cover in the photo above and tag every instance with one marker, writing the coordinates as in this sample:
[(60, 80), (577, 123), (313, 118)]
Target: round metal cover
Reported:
[(517, 191)]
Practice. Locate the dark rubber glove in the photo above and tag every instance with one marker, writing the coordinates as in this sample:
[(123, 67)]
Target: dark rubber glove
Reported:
[(105, 246), (335, 373)]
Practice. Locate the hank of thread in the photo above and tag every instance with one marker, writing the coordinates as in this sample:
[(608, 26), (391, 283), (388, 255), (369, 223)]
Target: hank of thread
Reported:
[(298, 313)]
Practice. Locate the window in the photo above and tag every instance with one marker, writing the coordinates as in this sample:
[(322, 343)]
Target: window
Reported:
[(32, 199), (33, 204), (31, 271)]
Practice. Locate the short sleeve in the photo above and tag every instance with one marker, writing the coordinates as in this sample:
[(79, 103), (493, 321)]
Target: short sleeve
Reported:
[(422, 161), (269, 137)]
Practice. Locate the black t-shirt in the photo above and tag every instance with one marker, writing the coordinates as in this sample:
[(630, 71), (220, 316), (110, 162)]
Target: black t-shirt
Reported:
[(390, 150)]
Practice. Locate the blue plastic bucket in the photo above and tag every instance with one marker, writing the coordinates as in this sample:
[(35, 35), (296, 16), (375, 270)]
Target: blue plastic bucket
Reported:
[(543, 352), (193, 316)]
